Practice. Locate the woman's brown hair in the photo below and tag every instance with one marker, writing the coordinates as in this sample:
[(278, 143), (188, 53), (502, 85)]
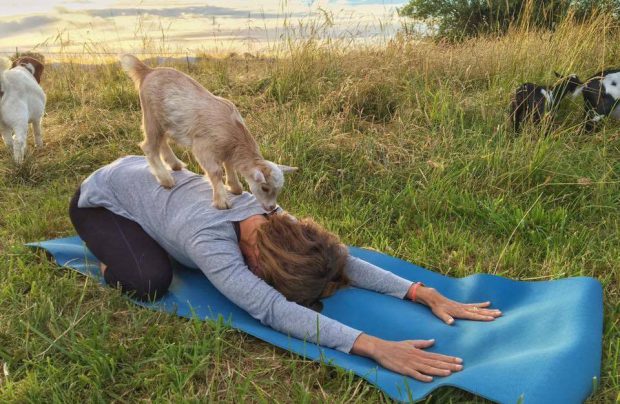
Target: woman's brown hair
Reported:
[(301, 259)]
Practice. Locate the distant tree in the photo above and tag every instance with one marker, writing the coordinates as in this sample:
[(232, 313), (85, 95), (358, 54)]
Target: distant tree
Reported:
[(458, 19)]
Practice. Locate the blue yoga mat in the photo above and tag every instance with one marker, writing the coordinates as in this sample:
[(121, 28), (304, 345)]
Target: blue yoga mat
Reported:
[(546, 348)]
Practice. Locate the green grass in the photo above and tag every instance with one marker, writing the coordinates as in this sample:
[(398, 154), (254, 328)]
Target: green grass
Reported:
[(402, 148)]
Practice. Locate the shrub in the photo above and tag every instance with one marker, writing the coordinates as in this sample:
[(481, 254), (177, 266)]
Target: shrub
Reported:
[(455, 19)]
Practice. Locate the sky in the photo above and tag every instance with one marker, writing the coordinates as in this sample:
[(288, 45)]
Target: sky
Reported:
[(157, 26)]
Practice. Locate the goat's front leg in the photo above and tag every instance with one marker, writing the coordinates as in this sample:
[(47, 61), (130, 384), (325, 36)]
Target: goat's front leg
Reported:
[(169, 157), (214, 171), (220, 197), (591, 119), (232, 180), (159, 170), (38, 132), (19, 143)]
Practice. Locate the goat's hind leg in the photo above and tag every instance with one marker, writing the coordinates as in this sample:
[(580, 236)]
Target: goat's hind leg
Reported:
[(169, 157), (7, 136), (151, 146), (7, 132), (512, 115), (38, 132)]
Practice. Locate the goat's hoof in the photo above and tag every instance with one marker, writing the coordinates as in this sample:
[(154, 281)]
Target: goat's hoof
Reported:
[(221, 205), (166, 182), (235, 190), (178, 166)]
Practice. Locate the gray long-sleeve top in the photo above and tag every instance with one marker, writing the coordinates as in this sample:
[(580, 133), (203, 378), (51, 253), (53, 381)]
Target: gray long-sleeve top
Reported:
[(196, 234)]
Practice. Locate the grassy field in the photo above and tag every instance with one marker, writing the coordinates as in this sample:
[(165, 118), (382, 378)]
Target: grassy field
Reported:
[(403, 148)]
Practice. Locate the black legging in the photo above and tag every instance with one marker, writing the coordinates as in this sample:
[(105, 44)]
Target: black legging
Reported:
[(135, 262)]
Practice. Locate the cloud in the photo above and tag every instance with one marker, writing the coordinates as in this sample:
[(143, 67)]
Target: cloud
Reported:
[(33, 23), (176, 12)]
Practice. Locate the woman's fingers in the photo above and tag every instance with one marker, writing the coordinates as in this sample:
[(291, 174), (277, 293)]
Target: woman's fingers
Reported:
[(467, 312), (433, 358), (480, 310), (424, 372), (472, 315), (419, 376), (444, 316), (433, 371), (439, 364), (475, 313), (483, 304), (492, 313), (434, 364), (443, 358), (421, 343)]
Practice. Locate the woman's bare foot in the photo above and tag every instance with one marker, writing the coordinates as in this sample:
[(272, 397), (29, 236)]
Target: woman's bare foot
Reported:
[(103, 267)]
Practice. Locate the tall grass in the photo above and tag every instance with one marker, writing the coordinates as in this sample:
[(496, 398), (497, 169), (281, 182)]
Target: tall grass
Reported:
[(404, 148)]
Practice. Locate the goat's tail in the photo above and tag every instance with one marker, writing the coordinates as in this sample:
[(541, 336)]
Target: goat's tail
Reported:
[(135, 68)]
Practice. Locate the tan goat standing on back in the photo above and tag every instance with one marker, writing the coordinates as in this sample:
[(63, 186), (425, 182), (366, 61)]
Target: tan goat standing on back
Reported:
[(175, 106)]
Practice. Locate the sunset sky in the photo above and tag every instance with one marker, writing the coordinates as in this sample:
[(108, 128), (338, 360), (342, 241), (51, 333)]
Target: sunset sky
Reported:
[(181, 26)]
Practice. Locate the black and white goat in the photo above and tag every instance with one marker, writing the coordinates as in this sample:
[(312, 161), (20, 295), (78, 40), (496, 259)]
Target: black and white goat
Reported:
[(601, 96), (531, 101)]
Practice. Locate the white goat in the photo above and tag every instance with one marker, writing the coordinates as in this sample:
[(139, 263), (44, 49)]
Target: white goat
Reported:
[(175, 106), (22, 103)]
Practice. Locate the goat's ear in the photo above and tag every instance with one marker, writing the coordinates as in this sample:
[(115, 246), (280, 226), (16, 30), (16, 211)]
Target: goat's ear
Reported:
[(258, 176), (287, 169), (558, 75)]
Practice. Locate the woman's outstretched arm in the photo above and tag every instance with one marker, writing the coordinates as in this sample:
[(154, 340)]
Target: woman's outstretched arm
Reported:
[(365, 275), (222, 263)]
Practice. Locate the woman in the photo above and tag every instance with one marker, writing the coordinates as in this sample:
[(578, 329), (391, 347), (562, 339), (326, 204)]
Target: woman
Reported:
[(270, 265)]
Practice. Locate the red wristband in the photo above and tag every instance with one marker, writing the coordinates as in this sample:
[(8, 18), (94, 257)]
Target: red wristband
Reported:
[(415, 288)]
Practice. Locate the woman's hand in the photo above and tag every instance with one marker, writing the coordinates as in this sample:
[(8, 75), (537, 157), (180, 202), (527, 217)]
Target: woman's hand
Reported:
[(448, 310), (407, 357)]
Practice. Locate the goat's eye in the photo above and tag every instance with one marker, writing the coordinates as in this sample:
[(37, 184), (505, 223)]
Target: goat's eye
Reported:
[(265, 189), (613, 83)]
